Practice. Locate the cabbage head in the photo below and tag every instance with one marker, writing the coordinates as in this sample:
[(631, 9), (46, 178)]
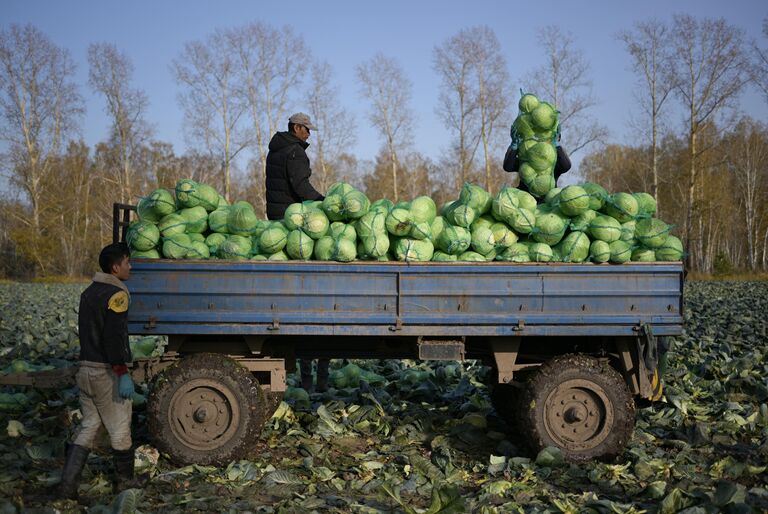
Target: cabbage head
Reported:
[(399, 222), (622, 206), (279, 256), (176, 246), (273, 239), (544, 117), (407, 250), (186, 193), (597, 195), (621, 251), (599, 251), (482, 240), (471, 257), (523, 221), (299, 245), (372, 223), (541, 184), (376, 245), (605, 228), (236, 247), (423, 209), (454, 240), (159, 203), (574, 248), (383, 205), (540, 252), (652, 232), (643, 254), (461, 215), (542, 156), (198, 250), (573, 201), (476, 197), (421, 230), (172, 224), (196, 219), (444, 257), (218, 220), (342, 230), (242, 220), (324, 248), (518, 252), (671, 250), (528, 102), (505, 202), (142, 236), (646, 203), (214, 242), (503, 235), (146, 254), (581, 222), (549, 228)]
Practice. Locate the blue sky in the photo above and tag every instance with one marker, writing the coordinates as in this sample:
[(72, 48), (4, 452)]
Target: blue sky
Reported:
[(346, 33)]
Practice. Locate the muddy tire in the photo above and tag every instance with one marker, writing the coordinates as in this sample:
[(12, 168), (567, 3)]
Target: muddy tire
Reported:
[(206, 409), (579, 405)]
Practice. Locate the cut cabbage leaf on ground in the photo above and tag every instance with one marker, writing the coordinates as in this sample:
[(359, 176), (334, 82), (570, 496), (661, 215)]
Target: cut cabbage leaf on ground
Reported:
[(418, 429)]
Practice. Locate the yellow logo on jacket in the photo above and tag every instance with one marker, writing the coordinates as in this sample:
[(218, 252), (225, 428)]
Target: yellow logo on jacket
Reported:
[(118, 302)]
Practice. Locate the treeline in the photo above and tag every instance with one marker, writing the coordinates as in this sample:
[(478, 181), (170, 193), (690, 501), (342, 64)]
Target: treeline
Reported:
[(237, 86)]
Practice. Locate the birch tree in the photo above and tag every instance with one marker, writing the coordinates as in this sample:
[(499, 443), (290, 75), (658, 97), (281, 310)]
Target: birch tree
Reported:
[(110, 75), (564, 81), (648, 45), (39, 108), (384, 83), (214, 113), (271, 66), (709, 72), (335, 126), (759, 65)]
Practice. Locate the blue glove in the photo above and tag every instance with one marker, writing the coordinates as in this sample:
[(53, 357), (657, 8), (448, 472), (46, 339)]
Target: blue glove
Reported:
[(125, 387)]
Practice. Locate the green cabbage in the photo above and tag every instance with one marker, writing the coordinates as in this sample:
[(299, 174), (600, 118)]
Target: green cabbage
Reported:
[(475, 197), (652, 232), (399, 222), (621, 251), (605, 228), (454, 240), (236, 248), (218, 220), (273, 239), (299, 245), (172, 224), (482, 240), (471, 257), (540, 252), (574, 248), (407, 249), (142, 236), (176, 246), (622, 206), (549, 229), (196, 219), (517, 252), (671, 250), (573, 201), (340, 230), (528, 103), (599, 251), (423, 209), (242, 220)]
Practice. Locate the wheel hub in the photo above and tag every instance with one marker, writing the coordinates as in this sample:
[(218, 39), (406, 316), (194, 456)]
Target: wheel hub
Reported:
[(204, 414), (578, 415)]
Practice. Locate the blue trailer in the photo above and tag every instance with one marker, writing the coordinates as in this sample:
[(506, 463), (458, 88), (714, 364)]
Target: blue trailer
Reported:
[(573, 346)]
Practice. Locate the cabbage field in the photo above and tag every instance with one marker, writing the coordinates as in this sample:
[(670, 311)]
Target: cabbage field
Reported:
[(406, 436)]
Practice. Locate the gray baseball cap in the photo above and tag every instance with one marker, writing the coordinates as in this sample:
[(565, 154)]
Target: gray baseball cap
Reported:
[(302, 119)]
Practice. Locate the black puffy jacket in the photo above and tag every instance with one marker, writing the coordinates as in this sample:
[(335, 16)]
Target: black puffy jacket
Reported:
[(103, 327), (288, 174)]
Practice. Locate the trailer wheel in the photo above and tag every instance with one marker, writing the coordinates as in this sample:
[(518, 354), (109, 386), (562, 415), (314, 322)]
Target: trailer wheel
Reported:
[(580, 405), (206, 409)]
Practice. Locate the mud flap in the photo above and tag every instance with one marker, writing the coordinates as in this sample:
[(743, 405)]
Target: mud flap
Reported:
[(649, 349)]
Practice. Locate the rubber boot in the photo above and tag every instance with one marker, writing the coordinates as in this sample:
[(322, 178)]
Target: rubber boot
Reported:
[(73, 467), (124, 475), (306, 374), (322, 375)]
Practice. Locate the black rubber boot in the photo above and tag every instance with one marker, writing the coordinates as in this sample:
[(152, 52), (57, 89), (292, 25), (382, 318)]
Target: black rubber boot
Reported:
[(73, 467), (306, 374), (322, 375), (124, 476)]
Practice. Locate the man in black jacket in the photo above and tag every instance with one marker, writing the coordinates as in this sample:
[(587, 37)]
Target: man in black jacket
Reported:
[(288, 175), (288, 169), (106, 387)]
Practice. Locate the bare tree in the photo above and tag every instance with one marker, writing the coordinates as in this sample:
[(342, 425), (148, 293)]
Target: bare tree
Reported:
[(110, 75), (384, 84), (39, 107), (453, 62), (564, 81), (747, 163), (760, 63), (709, 73), (271, 66), (336, 127), (492, 89), (213, 111), (649, 47)]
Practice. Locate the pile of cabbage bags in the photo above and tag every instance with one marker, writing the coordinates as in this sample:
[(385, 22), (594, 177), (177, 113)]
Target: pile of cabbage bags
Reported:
[(577, 223)]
